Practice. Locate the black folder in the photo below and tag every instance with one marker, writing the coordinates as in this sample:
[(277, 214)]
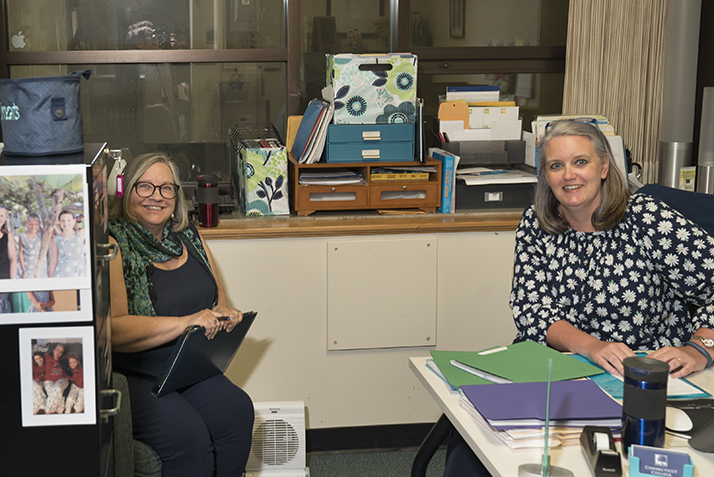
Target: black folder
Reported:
[(195, 357)]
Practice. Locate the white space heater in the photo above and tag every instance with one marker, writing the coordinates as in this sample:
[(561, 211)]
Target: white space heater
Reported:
[(278, 448)]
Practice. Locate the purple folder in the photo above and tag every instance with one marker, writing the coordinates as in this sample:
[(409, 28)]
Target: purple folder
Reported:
[(577, 402)]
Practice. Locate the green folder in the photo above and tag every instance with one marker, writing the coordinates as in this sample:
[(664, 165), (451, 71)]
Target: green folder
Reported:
[(525, 362)]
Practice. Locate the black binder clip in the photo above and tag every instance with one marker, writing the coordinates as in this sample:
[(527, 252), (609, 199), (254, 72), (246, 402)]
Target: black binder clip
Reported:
[(600, 452)]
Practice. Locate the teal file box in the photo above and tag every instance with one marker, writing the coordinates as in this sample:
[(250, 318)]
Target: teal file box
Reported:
[(370, 142)]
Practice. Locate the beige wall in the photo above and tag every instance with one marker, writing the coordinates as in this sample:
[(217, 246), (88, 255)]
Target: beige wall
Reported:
[(285, 357)]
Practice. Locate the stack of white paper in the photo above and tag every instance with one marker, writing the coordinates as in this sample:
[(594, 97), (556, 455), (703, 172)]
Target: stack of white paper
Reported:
[(336, 177), (510, 176), (527, 438)]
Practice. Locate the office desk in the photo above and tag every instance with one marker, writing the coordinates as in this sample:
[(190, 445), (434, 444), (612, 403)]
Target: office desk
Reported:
[(502, 461)]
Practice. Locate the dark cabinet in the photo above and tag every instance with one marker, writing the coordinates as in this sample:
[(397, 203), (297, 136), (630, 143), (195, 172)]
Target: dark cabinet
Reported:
[(64, 444)]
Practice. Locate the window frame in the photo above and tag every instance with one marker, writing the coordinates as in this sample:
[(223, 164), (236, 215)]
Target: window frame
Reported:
[(432, 60)]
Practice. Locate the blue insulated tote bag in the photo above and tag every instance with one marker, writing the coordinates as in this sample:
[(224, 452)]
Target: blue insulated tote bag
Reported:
[(41, 116)]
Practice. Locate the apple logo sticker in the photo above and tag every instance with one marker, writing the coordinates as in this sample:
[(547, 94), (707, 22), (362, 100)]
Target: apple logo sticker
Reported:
[(18, 41)]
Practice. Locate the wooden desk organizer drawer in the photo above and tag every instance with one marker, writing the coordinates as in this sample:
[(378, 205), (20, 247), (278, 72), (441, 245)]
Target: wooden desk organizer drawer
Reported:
[(419, 194), (311, 198)]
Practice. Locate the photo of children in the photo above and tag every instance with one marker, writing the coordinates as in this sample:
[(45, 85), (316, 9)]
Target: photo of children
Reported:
[(43, 237), (54, 374), (44, 244), (61, 380)]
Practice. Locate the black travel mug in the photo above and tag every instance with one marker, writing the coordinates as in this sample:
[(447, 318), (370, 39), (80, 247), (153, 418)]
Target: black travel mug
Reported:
[(643, 403), (207, 196)]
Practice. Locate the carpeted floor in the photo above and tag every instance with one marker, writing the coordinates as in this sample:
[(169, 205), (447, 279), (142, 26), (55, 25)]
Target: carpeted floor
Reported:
[(391, 463)]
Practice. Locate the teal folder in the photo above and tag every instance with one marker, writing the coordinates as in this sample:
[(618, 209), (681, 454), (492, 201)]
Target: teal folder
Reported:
[(615, 387), (525, 362)]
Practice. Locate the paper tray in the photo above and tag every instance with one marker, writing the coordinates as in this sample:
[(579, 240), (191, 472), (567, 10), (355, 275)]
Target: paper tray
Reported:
[(494, 196)]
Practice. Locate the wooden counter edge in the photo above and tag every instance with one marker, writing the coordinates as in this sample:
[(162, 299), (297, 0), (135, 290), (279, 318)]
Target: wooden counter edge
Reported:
[(329, 226)]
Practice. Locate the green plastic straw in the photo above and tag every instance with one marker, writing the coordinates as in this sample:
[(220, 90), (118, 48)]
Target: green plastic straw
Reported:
[(547, 419)]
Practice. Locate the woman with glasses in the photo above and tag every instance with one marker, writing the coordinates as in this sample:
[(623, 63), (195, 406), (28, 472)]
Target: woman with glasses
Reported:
[(163, 281)]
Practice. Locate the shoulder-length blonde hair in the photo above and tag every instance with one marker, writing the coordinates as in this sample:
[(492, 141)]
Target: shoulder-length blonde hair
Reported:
[(132, 173), (614, 193)]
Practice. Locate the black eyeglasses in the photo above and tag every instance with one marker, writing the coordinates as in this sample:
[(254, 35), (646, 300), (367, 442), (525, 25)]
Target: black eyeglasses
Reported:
[(147, 189)]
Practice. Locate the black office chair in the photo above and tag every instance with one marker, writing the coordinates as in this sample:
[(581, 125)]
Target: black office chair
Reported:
[(132, 458), (436, 436), (696, 206)]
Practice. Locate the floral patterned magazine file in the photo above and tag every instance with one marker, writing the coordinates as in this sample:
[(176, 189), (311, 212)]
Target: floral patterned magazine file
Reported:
[(373, 89)]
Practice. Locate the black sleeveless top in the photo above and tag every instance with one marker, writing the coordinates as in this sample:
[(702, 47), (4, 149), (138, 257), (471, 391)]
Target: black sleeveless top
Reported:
[(188, 289), (4, 258), (183, 291)]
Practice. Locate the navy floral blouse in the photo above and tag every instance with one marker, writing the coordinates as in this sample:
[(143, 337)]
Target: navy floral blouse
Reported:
[(627, 284)]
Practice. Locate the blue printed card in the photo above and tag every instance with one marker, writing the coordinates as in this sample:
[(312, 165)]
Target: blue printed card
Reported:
[(656, 461)]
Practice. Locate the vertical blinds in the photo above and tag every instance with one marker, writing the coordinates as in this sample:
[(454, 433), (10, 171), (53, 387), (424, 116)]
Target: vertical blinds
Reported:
[(615, 67)]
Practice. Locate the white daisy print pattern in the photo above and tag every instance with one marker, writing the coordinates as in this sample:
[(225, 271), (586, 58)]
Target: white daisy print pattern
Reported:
[(625, 284)]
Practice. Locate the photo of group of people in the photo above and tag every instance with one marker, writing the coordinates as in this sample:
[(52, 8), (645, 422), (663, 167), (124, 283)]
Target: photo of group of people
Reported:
[(57, 380), (56, 375), (44, 246)]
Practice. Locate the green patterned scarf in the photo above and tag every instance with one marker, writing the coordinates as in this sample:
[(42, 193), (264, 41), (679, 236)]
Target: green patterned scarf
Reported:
[(140, 250)]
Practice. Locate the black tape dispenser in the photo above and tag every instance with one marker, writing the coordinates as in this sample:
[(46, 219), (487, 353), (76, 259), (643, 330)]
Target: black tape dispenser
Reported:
[(600, 452)]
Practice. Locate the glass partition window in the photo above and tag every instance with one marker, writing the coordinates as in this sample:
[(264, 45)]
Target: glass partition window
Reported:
[(65, 25), (345, 26), (175, 101), (338, 26), (533, 93), (459, 23), (184, 109)]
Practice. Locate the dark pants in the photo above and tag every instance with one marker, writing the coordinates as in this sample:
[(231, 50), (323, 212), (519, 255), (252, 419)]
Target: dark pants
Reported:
[(203, 431), (461, 460)]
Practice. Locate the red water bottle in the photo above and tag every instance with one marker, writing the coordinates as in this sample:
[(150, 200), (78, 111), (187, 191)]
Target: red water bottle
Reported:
[(207, 196)]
